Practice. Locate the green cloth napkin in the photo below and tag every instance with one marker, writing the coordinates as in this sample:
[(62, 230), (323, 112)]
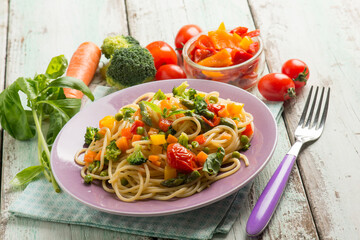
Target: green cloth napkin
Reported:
[(39, 201)]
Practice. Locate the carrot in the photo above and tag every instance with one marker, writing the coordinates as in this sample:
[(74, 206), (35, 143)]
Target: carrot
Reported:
[(122, 143), (126, 132), (83, 65), (89, 156), (136, 137), (201, 139), (172, 139), (154, 159), (201, 158), (98, 156)]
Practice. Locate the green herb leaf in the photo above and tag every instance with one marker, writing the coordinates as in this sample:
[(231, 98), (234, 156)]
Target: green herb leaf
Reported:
[(213, 162), (57, 67), (13, 117), (153, 106), (26, 175), (159, 95), (56, 124), (74, 83)]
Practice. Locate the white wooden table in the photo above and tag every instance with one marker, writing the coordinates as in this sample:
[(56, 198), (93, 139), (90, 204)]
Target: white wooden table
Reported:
[(322, 198)]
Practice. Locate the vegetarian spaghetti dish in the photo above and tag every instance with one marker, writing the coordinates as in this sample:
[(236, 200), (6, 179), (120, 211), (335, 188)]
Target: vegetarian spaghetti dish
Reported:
[(167, 145)]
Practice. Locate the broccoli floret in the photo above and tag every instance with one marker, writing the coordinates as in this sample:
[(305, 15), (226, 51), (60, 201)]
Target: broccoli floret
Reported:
[(137, 157), (112, 151), (129, 67), (91, 133), (112, 43)]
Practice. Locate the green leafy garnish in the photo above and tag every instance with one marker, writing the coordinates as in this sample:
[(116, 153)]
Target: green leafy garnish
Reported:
[(47, 103), (213, 162)]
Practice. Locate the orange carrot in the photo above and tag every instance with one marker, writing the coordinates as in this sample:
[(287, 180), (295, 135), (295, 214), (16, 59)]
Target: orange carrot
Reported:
[(89, 156), (83, 65), (98, 156), (136, 137), (201, 158), (172, 139), (122, 143), (154, 159)]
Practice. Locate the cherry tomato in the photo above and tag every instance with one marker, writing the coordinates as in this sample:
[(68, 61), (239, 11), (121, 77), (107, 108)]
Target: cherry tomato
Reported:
[(297, 70), (164, 124), (170, 71), (184, 34), (135, 125), (215, 108), (276, 87), (162, 53), (181, 158)]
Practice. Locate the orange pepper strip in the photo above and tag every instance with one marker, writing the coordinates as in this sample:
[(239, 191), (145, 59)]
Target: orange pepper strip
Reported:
[(219, 59)]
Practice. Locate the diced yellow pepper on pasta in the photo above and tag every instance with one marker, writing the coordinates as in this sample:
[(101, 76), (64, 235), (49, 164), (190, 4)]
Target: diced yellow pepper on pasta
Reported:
[(107, 121), (158, 139), (169, 172), (234, 108)]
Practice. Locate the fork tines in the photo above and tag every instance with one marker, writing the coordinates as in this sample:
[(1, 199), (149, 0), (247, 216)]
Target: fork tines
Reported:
[(314, 100)]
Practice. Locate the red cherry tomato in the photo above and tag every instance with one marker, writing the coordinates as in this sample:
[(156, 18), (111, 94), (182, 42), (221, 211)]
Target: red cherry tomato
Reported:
[(297, 70), (276, 87), (215, 108), (170, 71), (184, 34), (162, 53), (164, 124), (181, 158), (135, 125)]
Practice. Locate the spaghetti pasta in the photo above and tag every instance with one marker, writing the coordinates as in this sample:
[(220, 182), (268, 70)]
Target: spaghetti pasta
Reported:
[(167, 145)]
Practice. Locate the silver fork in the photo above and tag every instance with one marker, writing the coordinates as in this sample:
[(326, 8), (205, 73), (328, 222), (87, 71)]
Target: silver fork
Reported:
[(309, 129)]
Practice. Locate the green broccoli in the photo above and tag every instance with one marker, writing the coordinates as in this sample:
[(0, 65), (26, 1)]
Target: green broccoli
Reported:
[(112, 43), (130, 66), (112, 151), (91, 133), (137, 157)]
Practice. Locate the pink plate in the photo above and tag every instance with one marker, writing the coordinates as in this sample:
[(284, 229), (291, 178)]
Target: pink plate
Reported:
[(71, 139)]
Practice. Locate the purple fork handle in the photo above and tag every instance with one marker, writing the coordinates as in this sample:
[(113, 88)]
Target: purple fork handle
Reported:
[(270, 197)]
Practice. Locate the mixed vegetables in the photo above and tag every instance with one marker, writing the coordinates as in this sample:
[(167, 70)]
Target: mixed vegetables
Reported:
[(185, 158), (222, 48)]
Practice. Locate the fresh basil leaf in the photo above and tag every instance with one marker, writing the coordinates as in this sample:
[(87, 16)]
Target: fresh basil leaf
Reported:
[(28, 86), (213, 162), (65, 107), (57, 122), (153, 106), (26, 175), (13, 117), (57, 67), (74, 83)]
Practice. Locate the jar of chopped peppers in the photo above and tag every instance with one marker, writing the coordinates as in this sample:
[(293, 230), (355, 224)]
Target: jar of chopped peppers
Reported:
[(235, 57)]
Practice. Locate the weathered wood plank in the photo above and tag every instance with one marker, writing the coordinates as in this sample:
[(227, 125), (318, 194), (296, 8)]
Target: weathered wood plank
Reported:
[(3, 39), (325, 35), (293, 218), (38, 31)]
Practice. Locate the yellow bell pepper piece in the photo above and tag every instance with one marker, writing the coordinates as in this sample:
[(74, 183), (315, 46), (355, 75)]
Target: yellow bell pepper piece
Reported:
[(169, 172), (107, 121), (235, 108), (245, 43), (157, 139), (222, 27)]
